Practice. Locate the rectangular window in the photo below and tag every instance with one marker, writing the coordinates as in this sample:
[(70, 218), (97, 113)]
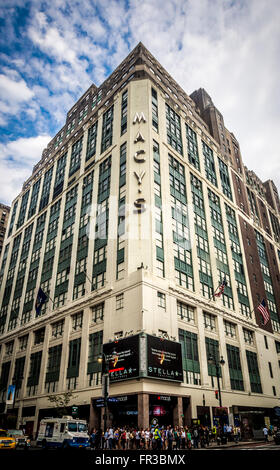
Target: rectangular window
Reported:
[(235, 371), (74, 358), (190, 356), (98, 312), (209, 164), (124, 112), (39, 336), (91, 142), (57, 328), (107, 129), (254, 375), (185, 312), (154, 110), (76, 153), (248, 336), (230, 329), (77, 321), (119, 301), (53, 367), (209, 321), (173, 128), (193, 155), (161, 300)]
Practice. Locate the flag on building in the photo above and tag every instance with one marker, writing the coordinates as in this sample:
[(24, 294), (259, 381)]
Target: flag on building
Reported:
[(221, 288), (264, 311), (41, 299)]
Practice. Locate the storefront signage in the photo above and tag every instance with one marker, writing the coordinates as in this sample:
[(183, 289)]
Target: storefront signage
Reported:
[(123, 358), (164, 359), (164, 398)]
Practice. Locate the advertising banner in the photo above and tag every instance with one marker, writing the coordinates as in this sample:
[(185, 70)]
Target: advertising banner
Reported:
[(10, 395), (123, 358), (164, 359)]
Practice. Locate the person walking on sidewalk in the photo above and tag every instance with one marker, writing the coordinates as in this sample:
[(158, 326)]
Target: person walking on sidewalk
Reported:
[(265, 433)]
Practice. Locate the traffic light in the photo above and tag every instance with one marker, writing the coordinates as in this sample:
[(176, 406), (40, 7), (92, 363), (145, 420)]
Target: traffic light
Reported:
[(75, 411), (217, 394)]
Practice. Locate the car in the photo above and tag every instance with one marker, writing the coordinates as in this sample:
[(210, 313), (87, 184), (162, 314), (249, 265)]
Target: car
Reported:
[(6, 441), (21, 440)]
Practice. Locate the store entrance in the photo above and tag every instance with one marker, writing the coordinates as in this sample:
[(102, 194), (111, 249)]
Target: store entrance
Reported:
[(161, 409), (124, 410)]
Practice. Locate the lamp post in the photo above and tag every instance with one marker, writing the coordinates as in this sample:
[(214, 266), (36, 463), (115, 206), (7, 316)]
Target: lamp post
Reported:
[(213, 360), (102, 359)]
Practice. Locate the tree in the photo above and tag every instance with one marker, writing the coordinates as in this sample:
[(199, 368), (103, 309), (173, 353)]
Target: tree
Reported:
[(61, 402)]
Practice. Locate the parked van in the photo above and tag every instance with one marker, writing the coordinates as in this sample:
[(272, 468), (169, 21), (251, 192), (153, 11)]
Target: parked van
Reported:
[(65, 432)]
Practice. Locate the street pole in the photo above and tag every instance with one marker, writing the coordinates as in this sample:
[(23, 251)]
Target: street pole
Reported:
[(218, 381)]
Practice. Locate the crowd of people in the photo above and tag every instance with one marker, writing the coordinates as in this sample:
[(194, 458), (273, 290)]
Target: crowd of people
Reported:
[(163, 437)]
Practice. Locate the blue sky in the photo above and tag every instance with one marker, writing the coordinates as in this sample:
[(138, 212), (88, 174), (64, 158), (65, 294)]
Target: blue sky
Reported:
[(50, 53)]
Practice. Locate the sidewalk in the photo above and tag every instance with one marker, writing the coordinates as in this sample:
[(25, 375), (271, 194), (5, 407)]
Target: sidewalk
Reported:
[(241, 444)]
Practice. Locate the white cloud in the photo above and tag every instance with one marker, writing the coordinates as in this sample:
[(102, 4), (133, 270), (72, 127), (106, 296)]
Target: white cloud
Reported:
[(12, 90), (17, 159)]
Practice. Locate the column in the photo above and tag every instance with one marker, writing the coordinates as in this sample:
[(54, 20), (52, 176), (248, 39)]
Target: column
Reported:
[(143, 410), (178, 412)]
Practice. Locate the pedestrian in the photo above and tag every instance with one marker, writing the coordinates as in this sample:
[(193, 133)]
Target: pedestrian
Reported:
[(229, 432), (110, 438), (157, 437), (92, 438), (265, 433), (147, 439), (176, 438), (235, 434), (195, 438), (123, 439), (189, 439), (183, 438), (169, 439)]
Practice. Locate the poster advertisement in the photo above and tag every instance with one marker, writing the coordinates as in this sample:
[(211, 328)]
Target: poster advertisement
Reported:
[(10, 395), (164, 359)]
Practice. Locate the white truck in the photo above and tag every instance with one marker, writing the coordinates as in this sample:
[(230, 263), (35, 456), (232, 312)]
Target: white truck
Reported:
[(65, 432)]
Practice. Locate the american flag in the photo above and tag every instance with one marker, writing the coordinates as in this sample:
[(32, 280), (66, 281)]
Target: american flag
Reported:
[(264, 311), (221, 288)]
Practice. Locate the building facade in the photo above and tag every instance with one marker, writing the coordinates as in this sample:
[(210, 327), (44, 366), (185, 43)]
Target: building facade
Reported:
[(138, 210), (4, 216)]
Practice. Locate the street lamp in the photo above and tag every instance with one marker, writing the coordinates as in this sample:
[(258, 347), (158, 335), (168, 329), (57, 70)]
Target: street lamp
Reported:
[(213, 361), (102, 359)]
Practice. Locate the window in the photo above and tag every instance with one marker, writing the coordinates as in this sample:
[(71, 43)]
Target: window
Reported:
[(107, 129), (9, 348), (39, 336), (190, 357), (265, 342), (209, 321), (230, 329), (161, 300), (77, 321), (185, 312), (23, 340), (248, 336), (270, 370), (173, 127), (98, 312), (154, 110), (235, 371), (124, 112), (57, 328), (119, 301), (254, 375)]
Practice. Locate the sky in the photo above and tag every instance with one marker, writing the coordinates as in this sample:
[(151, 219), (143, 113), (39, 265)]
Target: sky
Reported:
[(51, 52)]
